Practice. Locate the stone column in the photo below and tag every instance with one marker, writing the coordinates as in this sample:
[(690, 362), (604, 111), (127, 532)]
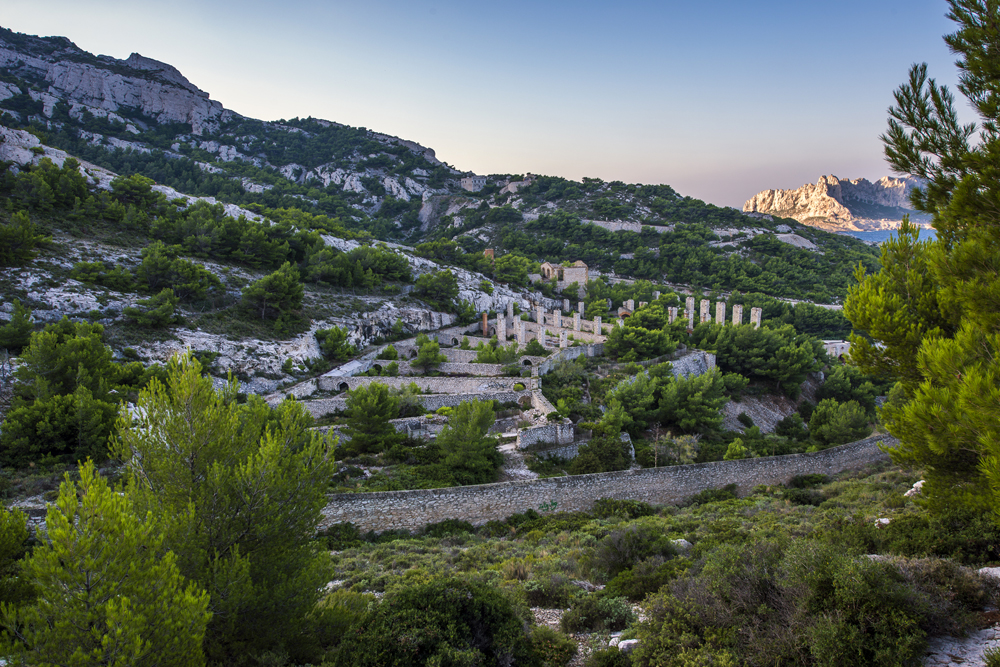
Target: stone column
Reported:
[(563, 339), (656, 296), (576, 321), (621, 322), (671, 314), (689, 308), (720, 312), (502, 329), (565, 305), (738, 314), (581, 307), (486, 324), (519, 328), (540, 315), (542, 335), (755, 317), (630, 305), (510, 309), (705, 317), (597, 326), (557, 319)]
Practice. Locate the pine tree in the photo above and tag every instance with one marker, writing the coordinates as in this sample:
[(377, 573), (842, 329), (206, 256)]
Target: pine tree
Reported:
[(108, 592), (239, 489), (935, 307), (15, 334), (369, 410)]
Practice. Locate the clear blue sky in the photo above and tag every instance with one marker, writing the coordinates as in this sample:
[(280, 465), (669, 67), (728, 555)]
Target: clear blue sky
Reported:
[(717, 98)]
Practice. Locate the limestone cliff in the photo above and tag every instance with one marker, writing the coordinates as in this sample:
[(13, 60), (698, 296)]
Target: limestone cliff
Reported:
[(838, 204), (103, 85)]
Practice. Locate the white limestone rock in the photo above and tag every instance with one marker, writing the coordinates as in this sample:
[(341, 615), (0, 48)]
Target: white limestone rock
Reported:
[(828, 203)]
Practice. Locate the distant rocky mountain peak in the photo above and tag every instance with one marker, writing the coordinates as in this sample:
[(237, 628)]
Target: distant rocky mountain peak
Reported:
[(837, 204)]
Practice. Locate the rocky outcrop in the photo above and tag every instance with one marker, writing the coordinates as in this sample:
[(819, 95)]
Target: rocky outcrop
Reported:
[(102, 83), (841, 205)]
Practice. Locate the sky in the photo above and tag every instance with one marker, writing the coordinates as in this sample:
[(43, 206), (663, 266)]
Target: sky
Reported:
[(717, 98)]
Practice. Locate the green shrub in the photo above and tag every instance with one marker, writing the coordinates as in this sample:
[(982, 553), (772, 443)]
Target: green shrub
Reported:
[(447, 621), (648, 576), (804, 497), (553, 590), (605, 508), (447, 527), (727, 492), (597, 613), (608, 657), (553, 647), (341, 536), (624, 547), (745, 419)]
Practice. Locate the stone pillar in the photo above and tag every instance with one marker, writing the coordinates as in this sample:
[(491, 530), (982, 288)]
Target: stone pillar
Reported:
[(519, 329), (690, 315), (689, 307), (542, 335), (563, 339), (621, 322), (502, 329), (671, 314), (510, 309), (738, 314), (486, 324), (705, 317), (557, 319), (656, 296), (630, 305), (576, 321), (720, 312), (755, 317), (597, 326), (540, 315), (581, 307), (565, 305), (643, 304)]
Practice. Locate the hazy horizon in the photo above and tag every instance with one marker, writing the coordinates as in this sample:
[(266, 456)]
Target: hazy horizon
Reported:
[(720, 100)]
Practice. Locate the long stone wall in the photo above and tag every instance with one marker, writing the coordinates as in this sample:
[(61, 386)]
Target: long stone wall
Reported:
[(321, 407), (478, 504), (437, 385)]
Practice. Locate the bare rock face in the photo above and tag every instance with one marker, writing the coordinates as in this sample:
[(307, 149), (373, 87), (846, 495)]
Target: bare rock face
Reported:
[(105, 84), (838, 204)]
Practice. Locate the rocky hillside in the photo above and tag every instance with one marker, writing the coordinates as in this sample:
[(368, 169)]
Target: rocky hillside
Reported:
[(141, 116), (836, 204)]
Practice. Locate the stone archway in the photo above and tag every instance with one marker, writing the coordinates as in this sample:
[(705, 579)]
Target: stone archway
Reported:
[(344, 386), (526, 362)]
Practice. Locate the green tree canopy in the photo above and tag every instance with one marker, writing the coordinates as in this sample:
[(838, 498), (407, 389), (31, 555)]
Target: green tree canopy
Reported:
[(108, 593), (238, 490), (369, 409), (276, 295), (933, 310), (471, 455)]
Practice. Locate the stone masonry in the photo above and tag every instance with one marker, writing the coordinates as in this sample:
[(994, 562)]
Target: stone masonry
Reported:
[(411, 510)]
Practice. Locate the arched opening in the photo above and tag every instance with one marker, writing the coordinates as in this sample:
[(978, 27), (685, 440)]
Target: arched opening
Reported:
[(526, 362), (454, 341), (343, 386), (377, 367), (413, 354), (493, 331)]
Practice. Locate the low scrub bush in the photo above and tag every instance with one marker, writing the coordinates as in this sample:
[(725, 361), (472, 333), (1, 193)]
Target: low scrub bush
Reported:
[(552, 647), (597, 613), (727, 492), (624, 547)]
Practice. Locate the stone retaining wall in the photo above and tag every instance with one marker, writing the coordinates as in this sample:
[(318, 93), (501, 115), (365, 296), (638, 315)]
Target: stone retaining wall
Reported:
[(556, 433), (437, 385), (321, 407), (478, 504)]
